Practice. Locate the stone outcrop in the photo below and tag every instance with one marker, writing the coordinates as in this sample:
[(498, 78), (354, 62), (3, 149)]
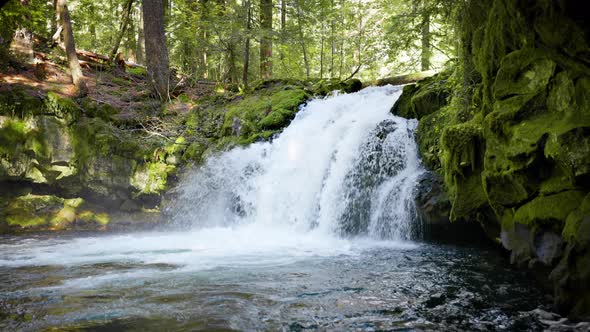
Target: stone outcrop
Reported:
[(511, 141)]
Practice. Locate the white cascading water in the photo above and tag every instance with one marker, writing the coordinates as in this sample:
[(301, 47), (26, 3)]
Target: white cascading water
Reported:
[(338, 179), (344, 166)]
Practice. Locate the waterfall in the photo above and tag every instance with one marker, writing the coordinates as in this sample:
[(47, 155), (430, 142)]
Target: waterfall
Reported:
[(343, 166)]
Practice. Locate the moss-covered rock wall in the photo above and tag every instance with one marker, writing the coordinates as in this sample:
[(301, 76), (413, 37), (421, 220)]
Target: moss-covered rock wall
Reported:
[(511, 141)]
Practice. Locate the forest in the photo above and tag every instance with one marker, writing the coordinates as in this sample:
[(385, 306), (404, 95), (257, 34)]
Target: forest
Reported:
[(294, 165), (233, 43)]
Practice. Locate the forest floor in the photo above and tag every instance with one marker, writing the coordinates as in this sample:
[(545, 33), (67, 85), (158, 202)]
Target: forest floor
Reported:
[(125, 90)]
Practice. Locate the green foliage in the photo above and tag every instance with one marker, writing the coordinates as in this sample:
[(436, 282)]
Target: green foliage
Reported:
[(32, 17), (137, 71), (405, 30)]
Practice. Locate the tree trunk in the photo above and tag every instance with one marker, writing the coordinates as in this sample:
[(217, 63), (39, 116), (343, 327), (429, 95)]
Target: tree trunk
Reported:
[(426, 52), (283, 15), (92, 28), (360, 38), (140, 52), (203, 37), (322, 54), (123, 28), (68, 38), (266, 39), (155, 46), (302, 39), (130, 40), (332, 40), (247, 43)]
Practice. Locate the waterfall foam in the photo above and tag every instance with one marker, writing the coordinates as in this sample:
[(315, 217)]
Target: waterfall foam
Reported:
[(337, 180), (344, 166)]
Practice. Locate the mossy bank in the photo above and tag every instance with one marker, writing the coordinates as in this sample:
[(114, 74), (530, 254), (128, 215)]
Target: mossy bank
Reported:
[(82, 164), (508, 129)]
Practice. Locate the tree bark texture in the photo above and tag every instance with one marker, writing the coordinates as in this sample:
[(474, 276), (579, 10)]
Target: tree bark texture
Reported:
[(247, 43), (140, 52), (124, 23), (68, 39), (156, 52), (266, 39), (426, 52)]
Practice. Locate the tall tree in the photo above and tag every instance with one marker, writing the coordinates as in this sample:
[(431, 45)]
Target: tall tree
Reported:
[(425, 40), (203, 36), (124, 23), (139, 48), (302, 36), (266, 39), (155, 46), (247, 42), (63, 17)]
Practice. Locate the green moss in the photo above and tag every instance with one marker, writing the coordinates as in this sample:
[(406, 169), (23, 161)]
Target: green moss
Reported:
[(183, 98), (522, 72), (461, 147), (403, 105), (120, 81), (13, 134), (152, 178), (32, 211), (429, 132), (64, 217), (269, 110), (571, 152), (549, 210), (506, 188), (61, 106), (88, 216), (16, 102), (562, 94), (575, 218), (137, 71), (194, 152), (74, 202)]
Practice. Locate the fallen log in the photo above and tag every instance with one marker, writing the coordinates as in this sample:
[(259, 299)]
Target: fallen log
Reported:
[(406, 79)]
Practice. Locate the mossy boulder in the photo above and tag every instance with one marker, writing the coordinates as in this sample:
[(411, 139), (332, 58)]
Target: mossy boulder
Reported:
[(423, 98), (523, 72), (35, 148), (152, 178), (264, 111), (48, 212)]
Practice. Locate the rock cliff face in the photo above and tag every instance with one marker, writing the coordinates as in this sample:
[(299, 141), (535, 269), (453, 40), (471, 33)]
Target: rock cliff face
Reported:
[(76, 164), (512, 139)]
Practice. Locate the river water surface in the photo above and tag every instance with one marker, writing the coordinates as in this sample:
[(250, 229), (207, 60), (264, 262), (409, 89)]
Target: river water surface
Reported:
[(160, 282), (315, 230)]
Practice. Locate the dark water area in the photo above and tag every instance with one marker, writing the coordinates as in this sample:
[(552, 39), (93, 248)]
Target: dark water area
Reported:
[(383, 286)]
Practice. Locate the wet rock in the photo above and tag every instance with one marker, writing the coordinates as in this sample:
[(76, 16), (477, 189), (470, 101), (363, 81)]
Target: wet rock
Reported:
[(435, 300), (432, 201), (129, 206), (548, 247)]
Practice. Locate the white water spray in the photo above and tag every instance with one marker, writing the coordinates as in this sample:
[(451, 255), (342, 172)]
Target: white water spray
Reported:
[(337, 180), (344, 166)]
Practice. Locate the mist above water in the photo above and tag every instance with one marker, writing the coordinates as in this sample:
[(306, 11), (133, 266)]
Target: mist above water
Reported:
[(345, 167)]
